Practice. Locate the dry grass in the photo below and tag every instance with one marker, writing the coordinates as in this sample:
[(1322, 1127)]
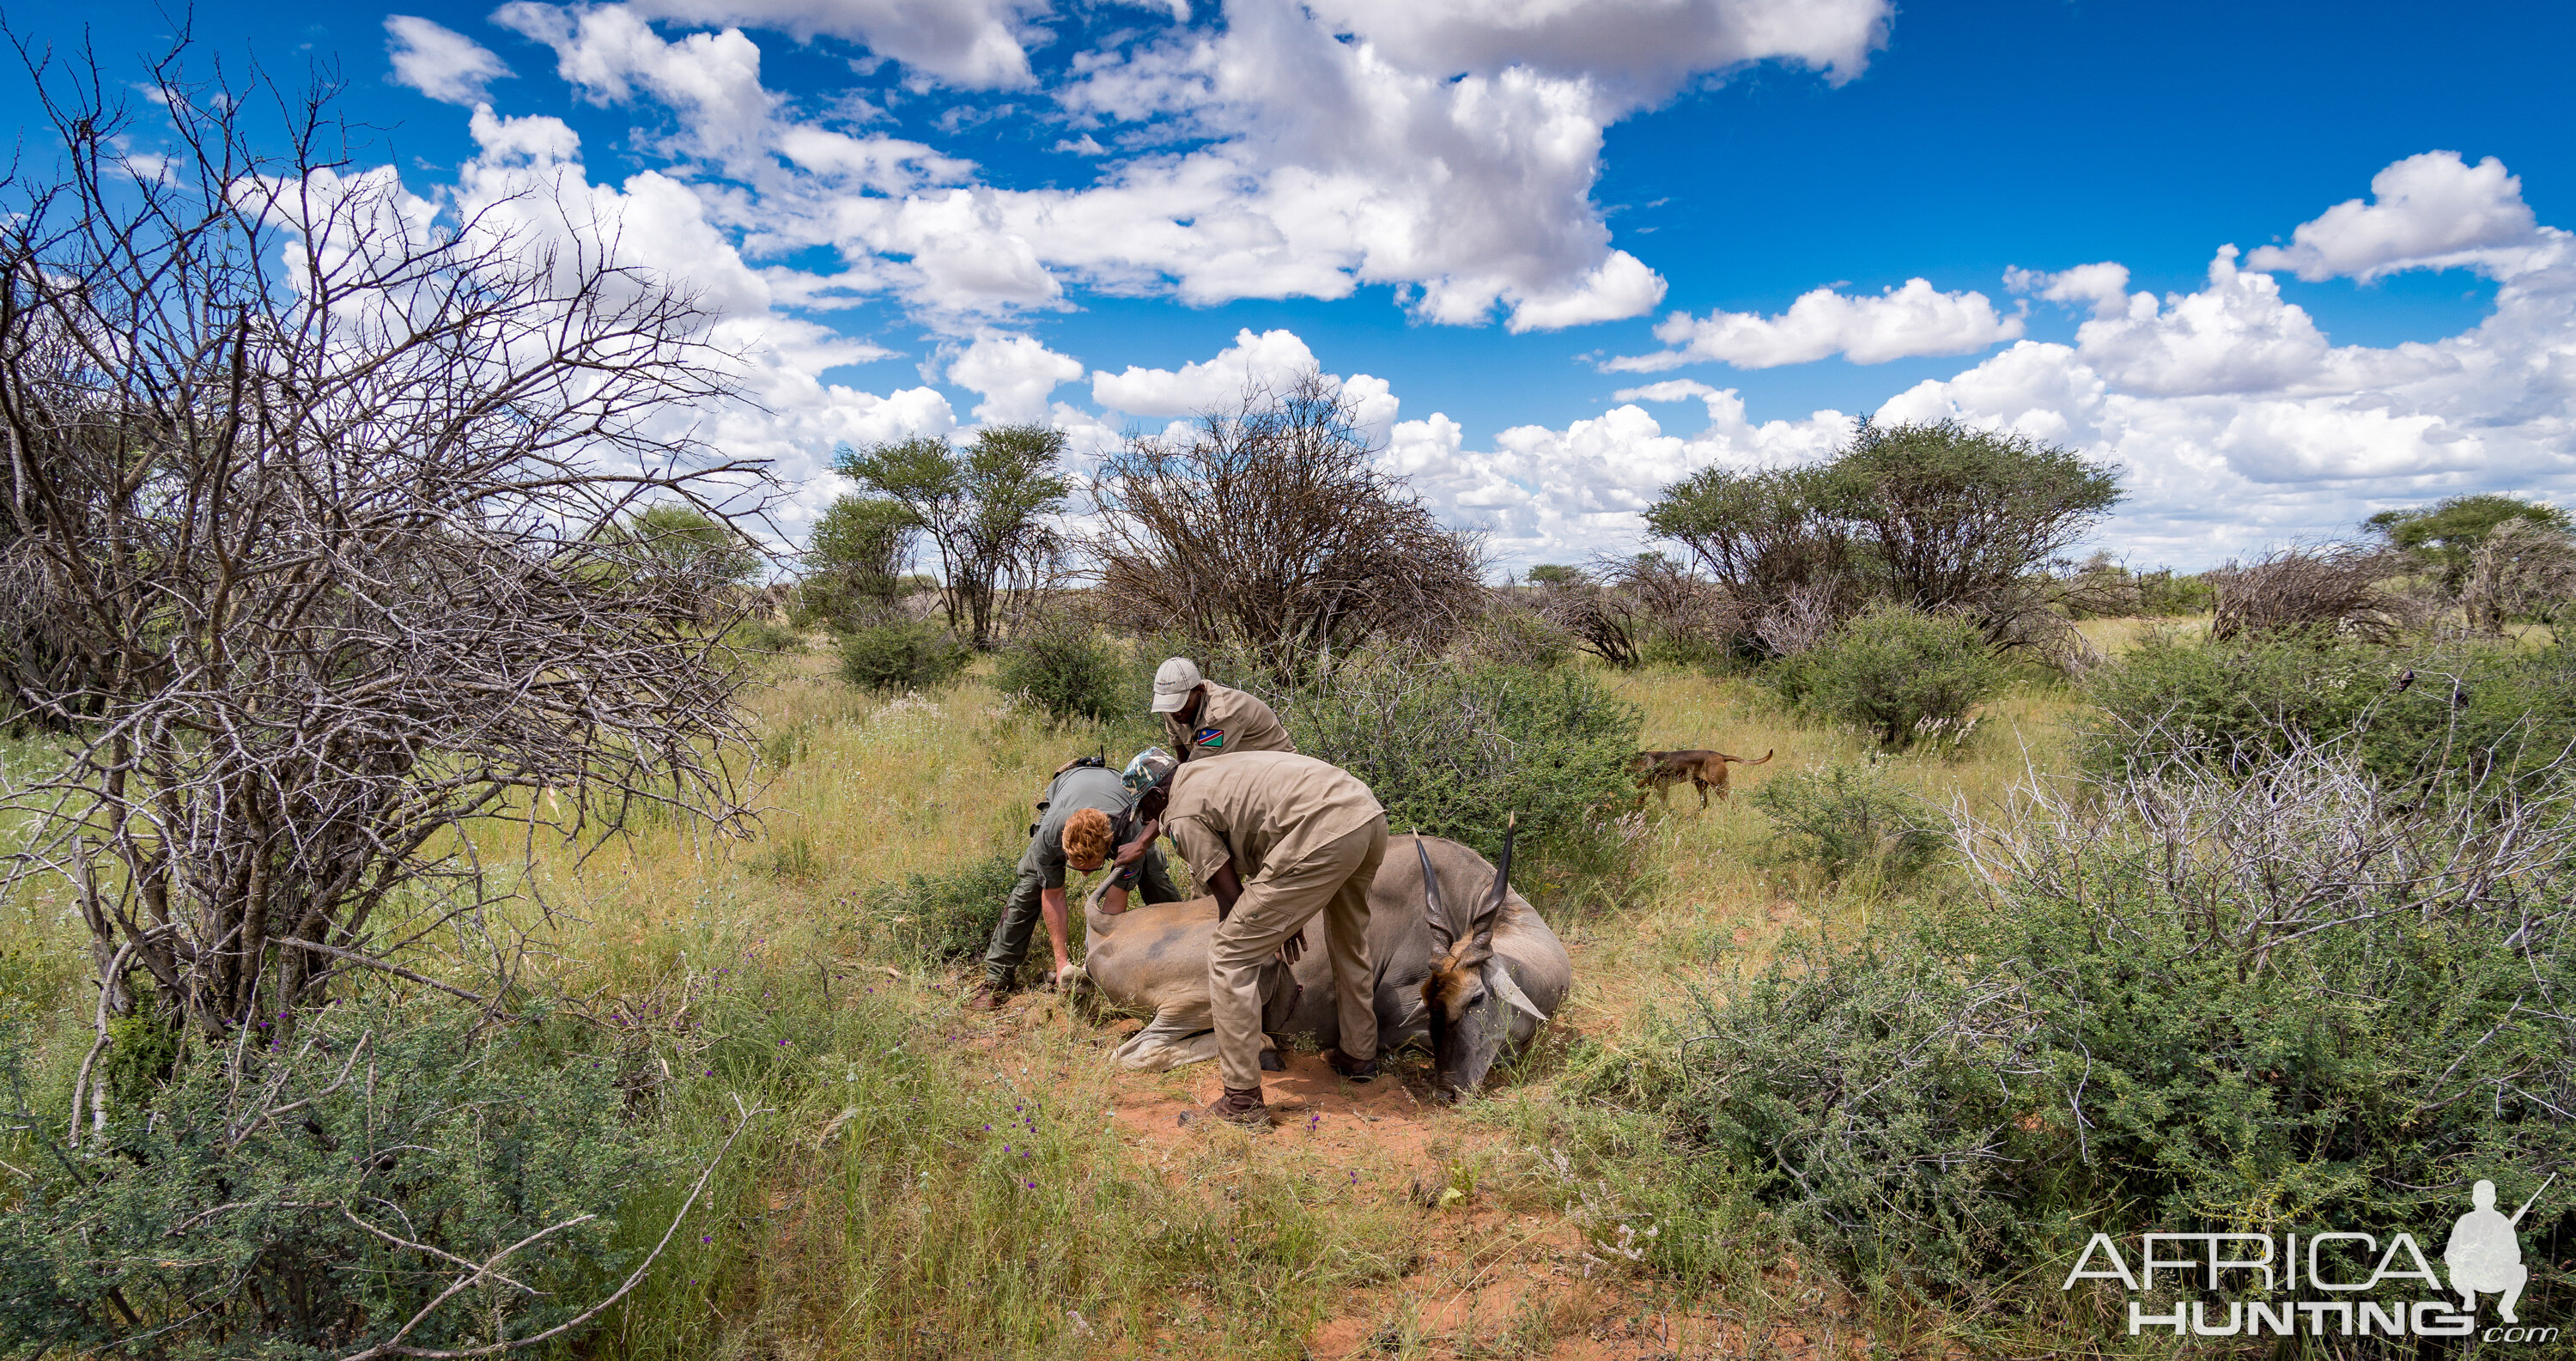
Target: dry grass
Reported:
[(875, 1218)]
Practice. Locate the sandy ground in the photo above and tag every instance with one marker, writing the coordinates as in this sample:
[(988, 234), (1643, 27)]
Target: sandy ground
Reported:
[(1488, 1282)]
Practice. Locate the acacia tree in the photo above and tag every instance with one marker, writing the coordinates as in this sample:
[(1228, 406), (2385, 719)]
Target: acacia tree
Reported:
[(1772, 543), (854, 565), (985, 510), (2444, 538), (2526, 568), (308, 556), (1939, 517), (1961, 519), (1270, 528)]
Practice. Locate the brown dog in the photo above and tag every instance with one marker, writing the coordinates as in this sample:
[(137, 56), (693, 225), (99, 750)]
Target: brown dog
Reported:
[(1659, 771)]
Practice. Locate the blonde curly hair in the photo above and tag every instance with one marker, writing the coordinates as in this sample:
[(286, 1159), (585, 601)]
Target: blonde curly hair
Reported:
[(1086, 836)]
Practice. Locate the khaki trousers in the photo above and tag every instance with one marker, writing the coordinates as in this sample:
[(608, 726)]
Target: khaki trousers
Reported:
[(1334, 881)]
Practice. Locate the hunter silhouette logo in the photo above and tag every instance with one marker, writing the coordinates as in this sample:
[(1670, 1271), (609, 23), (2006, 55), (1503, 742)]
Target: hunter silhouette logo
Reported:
[(2253, 1284), (2484, 1255)]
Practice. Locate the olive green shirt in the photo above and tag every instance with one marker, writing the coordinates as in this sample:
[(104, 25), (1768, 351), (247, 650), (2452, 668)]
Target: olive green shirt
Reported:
[(1260, 808), (1229, 722)]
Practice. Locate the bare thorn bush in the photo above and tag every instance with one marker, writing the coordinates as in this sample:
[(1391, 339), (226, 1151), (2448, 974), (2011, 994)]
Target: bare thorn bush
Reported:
[(1620, 607), (312, 560), (2336, 588), (2307, 842), (2525, 569), (1268, 528)]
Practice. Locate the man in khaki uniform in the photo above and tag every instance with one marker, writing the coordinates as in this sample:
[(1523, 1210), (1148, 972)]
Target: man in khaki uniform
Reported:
[(1278, 837), (1202, 718)]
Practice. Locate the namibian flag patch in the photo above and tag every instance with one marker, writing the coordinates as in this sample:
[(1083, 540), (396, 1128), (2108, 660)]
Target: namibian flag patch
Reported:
[(1210, 739)]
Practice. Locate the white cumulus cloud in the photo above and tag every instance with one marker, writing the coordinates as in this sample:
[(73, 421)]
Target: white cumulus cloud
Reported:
[(527, 179), (976, 44), (1916, 319), (1266, 360), (1014, 373), (1645, 49), (439, 61), (2235, 420), (2239, 422), (2103, 285), (1549, 495), (2427, 211), (1291, 151), (608, 52)]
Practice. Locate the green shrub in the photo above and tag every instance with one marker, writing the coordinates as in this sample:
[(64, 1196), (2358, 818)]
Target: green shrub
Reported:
[(224, 1218), (2286, 1012), (2164, 594), (1692, 651), (1843, 819), (1900, 673), (891, 658), (1511, 633), (1457, 750), (937, 919), (2474, 712), (2235, 705), (1071, 675), (764, 635)]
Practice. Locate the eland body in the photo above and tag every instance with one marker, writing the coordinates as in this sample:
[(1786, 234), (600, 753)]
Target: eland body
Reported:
[(1464, 966)]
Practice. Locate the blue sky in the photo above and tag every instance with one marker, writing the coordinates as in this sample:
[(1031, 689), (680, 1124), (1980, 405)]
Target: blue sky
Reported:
[(1562, 251)]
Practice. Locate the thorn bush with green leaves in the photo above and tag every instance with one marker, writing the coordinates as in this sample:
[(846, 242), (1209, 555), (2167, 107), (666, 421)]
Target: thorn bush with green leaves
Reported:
[(1848, 819), (318, 1194), (2284, 1003), (1069, 674), (1896, 672), (893, 658)]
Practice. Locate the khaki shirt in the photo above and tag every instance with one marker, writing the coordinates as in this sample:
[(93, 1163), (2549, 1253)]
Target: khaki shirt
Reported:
[(1229, 721), (1260, 808)]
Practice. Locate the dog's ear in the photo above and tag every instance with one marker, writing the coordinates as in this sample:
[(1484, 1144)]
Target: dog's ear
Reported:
[(1441, 934)]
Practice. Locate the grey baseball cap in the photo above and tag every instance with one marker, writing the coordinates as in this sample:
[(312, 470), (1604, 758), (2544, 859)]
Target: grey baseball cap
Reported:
[(1173, 684)]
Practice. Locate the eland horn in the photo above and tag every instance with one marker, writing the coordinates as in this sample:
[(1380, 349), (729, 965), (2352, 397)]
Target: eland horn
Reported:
[(1432, 911)]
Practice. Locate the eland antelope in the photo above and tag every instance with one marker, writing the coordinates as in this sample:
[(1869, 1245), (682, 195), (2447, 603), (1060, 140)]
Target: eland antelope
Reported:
[(1470, 981)]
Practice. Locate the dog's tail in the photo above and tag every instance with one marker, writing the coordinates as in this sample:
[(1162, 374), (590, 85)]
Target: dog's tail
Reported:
[(1765, 757)]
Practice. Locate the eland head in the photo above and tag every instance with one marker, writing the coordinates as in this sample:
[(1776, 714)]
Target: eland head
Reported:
[(1468, 996)]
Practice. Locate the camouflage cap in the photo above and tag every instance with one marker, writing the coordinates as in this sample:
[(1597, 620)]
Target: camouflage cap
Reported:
[(1150, 769)]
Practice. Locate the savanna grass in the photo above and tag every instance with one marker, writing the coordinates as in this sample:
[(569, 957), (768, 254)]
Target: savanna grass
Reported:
[(869, 1212)]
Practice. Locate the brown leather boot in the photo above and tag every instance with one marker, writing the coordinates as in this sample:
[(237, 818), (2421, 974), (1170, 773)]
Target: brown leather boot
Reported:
[(989, 997), (1239, 1105), (1351, 1069)]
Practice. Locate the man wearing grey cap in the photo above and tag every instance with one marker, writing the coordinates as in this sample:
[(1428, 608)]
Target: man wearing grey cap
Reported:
[(1203, 718)]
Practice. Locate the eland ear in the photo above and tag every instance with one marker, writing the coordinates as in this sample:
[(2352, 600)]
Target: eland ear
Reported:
[(1491, 910), (1441, 935)]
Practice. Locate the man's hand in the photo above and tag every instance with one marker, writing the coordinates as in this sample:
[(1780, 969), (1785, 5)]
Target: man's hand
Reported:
[(1293, 947), (1135, 850)]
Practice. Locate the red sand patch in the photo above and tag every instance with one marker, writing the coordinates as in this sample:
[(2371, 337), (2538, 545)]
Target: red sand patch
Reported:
[(1310, 1106), (1488, 1282)]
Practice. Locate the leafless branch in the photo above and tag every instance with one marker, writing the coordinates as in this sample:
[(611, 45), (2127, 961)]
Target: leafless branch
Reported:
[(1270, 529), (307, 556), (2336, 588)]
